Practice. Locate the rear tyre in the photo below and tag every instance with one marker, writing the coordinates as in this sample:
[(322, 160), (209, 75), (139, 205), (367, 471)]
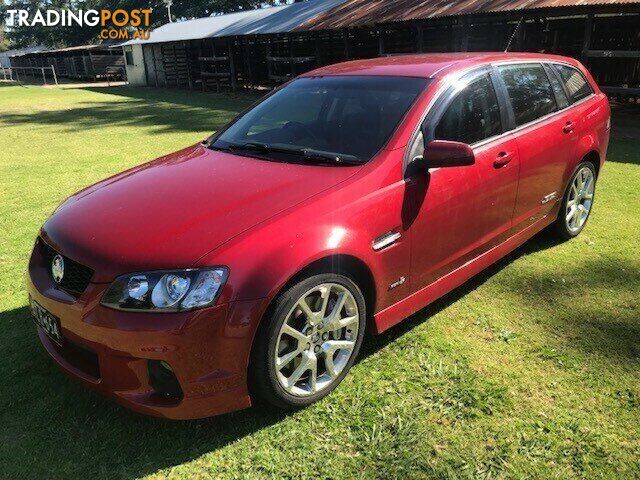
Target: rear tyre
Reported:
[(577, 202), (309, 342)]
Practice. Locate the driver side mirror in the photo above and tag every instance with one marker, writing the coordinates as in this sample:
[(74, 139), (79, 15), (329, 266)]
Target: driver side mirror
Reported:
[(444, 153)]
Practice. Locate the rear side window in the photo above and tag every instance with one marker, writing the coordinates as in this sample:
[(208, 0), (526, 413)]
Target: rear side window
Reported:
[(473, 115), (558, 89), (575, 83), (530, 92)]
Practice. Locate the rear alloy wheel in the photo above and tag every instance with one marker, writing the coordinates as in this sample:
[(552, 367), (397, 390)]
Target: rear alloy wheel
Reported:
[(312, 341), (577, 202)]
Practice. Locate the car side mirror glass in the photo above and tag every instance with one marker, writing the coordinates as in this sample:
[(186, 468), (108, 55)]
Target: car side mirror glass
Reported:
[(444, 153)]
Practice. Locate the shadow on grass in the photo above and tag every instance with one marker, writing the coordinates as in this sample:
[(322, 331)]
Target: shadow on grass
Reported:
[(53, 427), (609, 332), (625, 150), (540, 242), (625, 131), (163, 110), (177, 96)]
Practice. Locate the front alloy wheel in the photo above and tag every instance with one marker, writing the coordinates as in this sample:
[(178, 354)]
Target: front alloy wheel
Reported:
[(316, 339), (310, 342)]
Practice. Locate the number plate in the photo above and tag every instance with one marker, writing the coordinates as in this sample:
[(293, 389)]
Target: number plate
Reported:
[(49, 323)]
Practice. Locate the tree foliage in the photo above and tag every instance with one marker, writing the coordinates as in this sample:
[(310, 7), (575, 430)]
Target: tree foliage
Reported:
[(67, 36), (4, 41)]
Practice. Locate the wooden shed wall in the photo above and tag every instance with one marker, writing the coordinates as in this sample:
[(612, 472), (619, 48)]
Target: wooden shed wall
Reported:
[(78, 65), (609, 43)]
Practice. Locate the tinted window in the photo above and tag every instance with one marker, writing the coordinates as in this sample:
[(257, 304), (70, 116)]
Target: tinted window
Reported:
[(349, 115), (473, 115), (561, 96), (304, 110), (530, 91), (575, 83)]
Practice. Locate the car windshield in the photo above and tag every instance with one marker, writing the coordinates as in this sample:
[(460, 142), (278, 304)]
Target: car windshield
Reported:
[(337, 119)]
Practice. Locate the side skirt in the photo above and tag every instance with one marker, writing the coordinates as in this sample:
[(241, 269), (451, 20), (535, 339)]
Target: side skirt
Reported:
[(394, 314)]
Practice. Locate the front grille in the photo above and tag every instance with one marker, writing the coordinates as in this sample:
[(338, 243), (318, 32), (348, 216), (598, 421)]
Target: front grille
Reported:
[(76, 276)]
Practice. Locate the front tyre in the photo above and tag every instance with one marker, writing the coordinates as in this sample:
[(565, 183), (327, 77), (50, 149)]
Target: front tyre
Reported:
[(309, 343), (577, 202)]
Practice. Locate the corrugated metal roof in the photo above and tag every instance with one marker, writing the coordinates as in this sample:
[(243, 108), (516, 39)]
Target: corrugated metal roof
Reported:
[(4, 56), (284, 18), (45, 51), (354, 13)]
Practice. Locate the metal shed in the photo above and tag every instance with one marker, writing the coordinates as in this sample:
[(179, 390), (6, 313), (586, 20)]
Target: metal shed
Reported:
[(228, 50), (5, 56), (604, 34), (268, 46), (265, 47), (85, 62)]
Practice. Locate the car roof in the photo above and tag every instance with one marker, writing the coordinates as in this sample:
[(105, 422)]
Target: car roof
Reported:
[(429, 65)]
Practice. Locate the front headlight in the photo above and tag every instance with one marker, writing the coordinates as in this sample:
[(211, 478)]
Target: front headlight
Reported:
[(166, 291)]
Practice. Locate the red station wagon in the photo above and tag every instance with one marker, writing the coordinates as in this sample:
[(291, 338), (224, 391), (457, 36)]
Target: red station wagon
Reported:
[(252, 264)]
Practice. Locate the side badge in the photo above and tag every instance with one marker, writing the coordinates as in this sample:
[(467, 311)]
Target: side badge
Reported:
[(397, 283), (548, 198)]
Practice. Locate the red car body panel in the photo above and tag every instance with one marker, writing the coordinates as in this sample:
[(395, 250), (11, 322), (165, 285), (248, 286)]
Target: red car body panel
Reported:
[(196, 197), (267, 221)]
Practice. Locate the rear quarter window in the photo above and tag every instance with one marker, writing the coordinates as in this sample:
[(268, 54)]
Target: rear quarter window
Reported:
[(576, 85)]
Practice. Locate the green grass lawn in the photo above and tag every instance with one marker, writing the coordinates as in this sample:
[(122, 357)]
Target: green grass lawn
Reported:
[(530, 370)]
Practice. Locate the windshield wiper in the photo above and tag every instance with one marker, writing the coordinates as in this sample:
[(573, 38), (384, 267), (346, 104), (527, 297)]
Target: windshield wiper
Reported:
[(218, 147), (332, 157), (253, 146), (232, 147), (309, 153)]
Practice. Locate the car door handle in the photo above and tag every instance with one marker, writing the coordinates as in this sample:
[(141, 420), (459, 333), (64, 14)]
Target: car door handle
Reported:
[(504, 158), (569, 127)]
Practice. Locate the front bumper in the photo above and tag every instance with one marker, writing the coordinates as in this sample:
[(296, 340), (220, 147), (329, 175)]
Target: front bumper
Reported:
[(109, 351)]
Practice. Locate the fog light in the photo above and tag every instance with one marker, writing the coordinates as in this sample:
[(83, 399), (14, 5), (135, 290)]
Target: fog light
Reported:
[(163, 380)]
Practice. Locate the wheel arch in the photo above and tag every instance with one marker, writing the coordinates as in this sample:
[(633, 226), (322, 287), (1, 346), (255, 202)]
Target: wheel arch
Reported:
[(593, 157), (345, 264)]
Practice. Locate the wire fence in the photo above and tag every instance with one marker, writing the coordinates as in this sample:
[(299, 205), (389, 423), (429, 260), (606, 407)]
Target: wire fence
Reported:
[(23, 74)]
